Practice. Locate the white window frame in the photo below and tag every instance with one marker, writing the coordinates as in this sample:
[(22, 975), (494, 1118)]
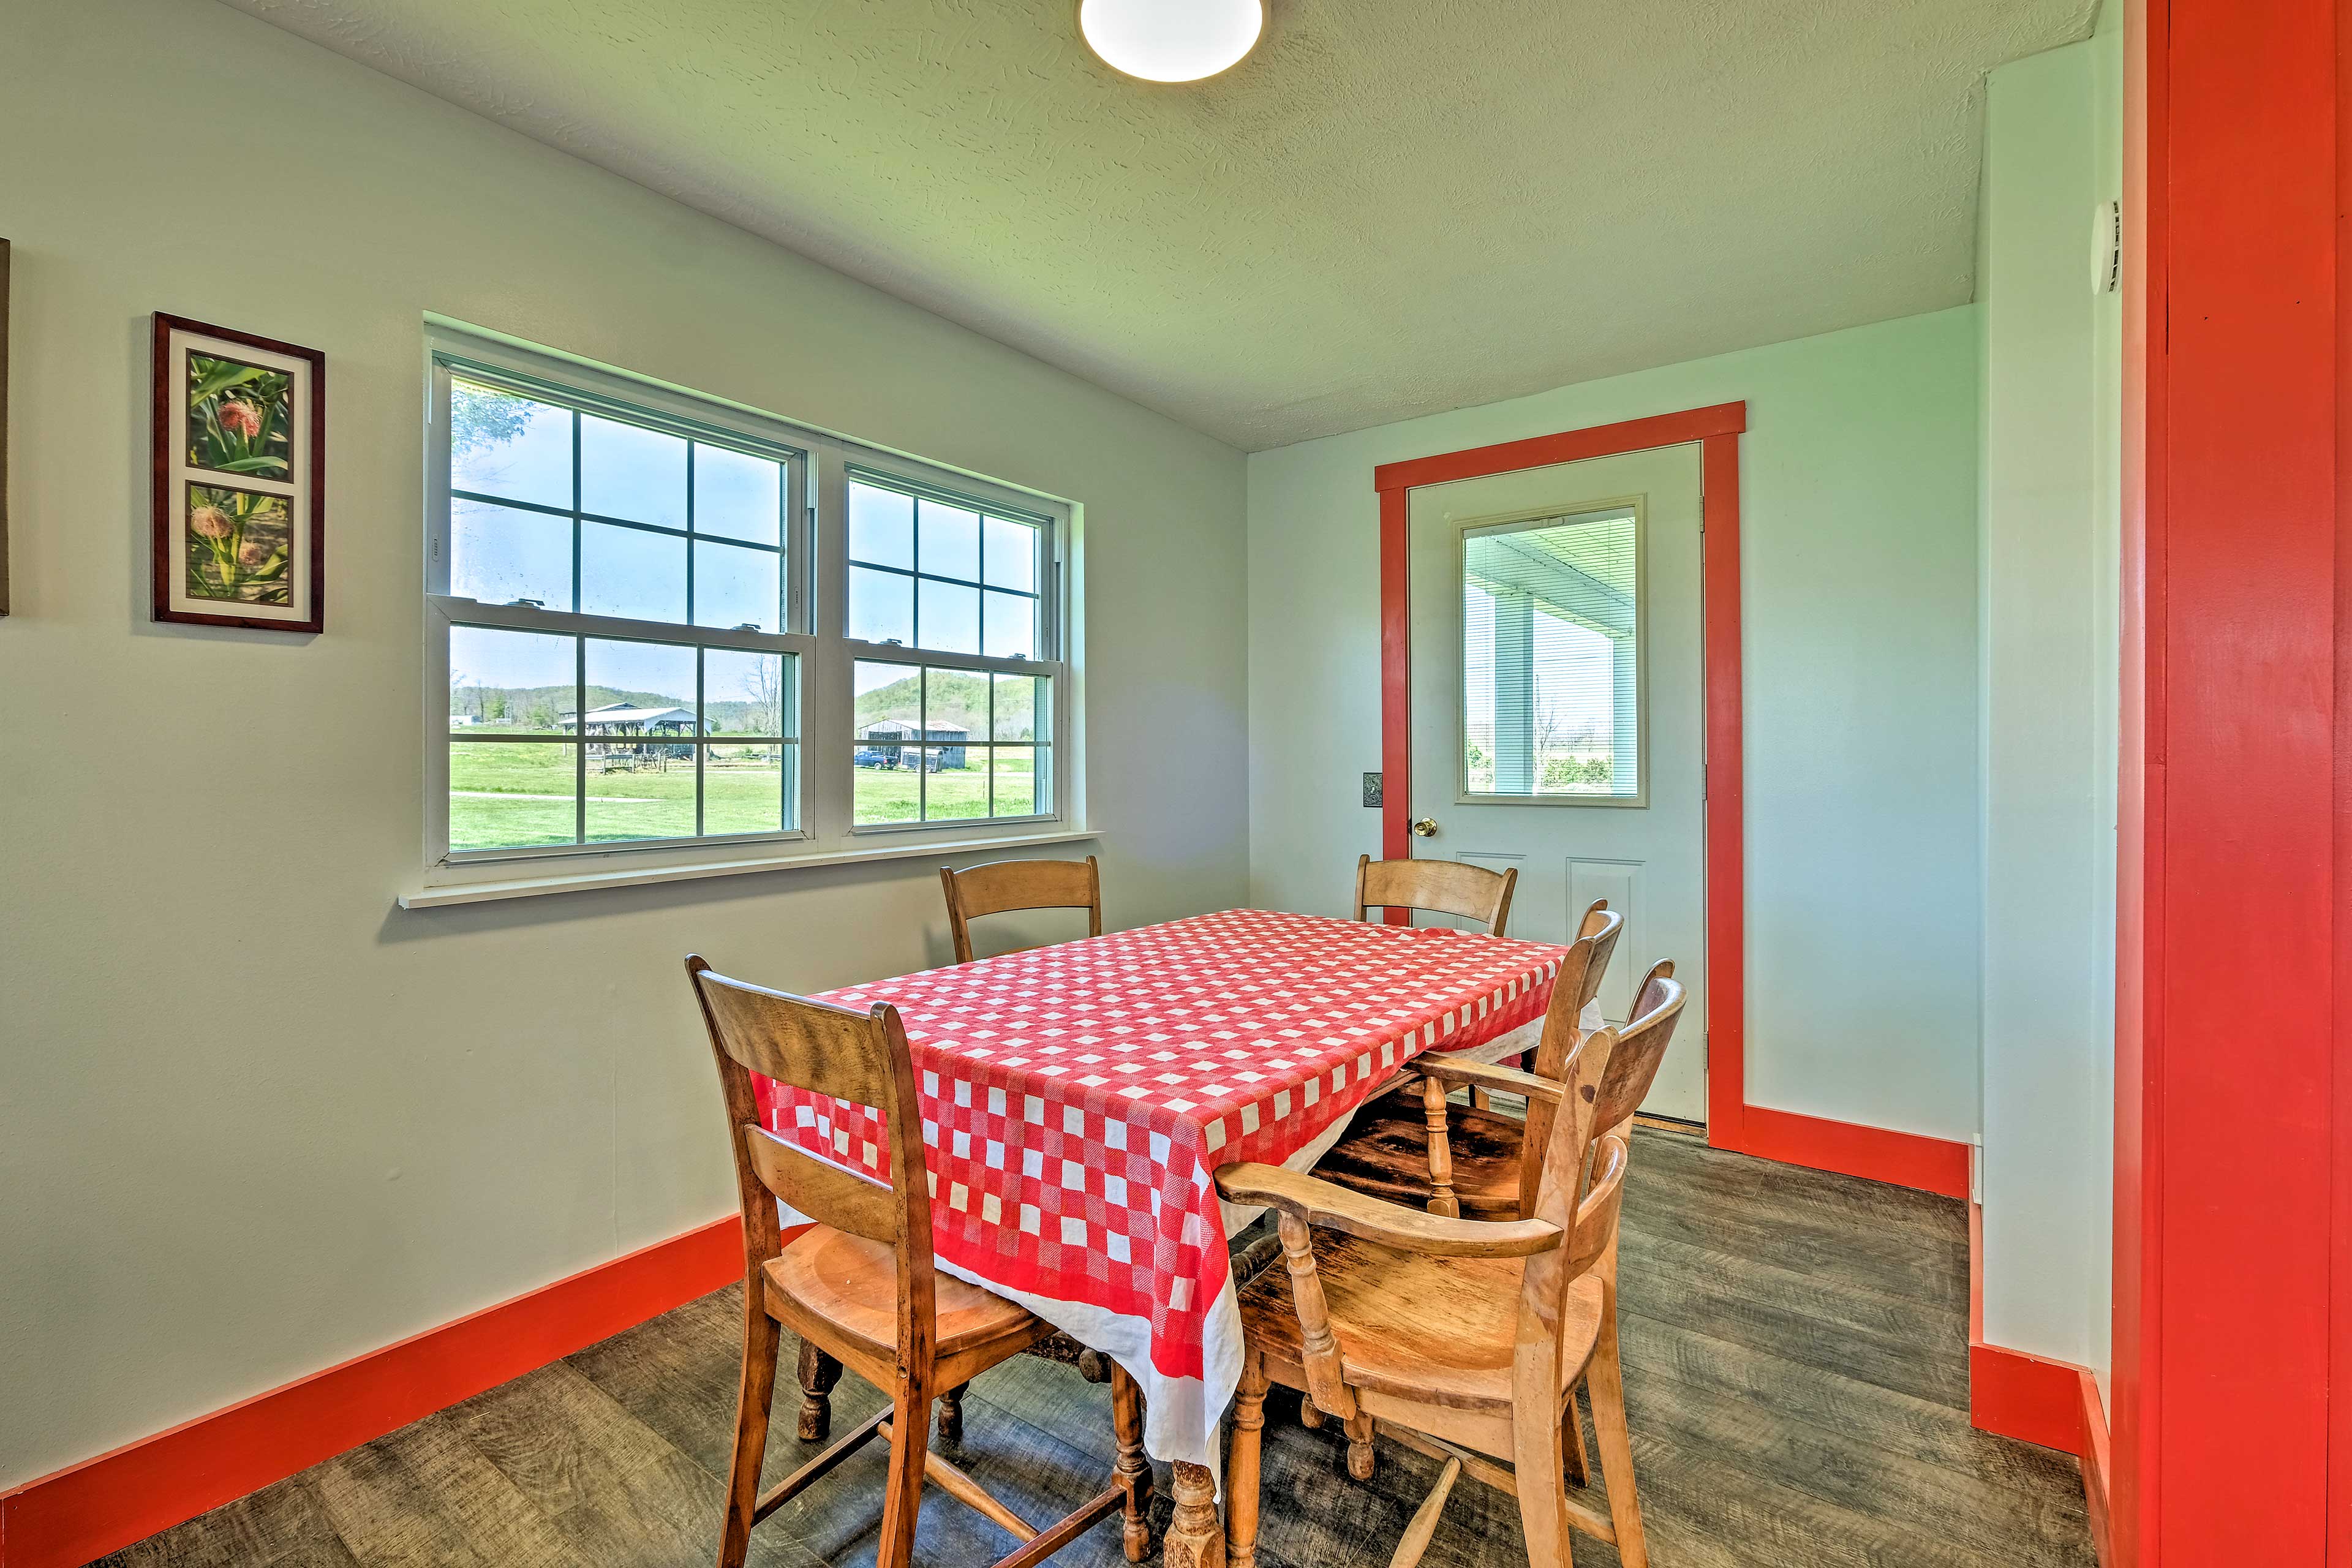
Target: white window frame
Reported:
[(816, 587), (1635, 507)]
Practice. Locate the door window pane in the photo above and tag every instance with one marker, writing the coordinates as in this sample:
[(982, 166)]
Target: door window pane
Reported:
[(737, 494), (503, 444), (1551, 657), (628, 472)]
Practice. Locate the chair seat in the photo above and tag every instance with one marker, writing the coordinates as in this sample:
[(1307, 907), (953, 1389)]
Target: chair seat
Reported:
[(1436, 1331), (852, 1284), (1386, 1155)]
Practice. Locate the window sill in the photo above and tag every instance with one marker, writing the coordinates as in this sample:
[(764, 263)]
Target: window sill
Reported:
[(436, 895)]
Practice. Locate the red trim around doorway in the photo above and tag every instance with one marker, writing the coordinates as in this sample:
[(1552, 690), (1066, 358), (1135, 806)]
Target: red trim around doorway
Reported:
[(1907, 1159), (2233, 1220), (86, 1510)]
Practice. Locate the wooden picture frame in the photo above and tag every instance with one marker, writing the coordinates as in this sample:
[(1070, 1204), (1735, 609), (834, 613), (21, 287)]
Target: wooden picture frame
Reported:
[(238, 492), (4, 426)]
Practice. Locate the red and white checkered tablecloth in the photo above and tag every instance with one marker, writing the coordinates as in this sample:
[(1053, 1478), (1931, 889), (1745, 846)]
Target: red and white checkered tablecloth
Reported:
[(1077, 1100)]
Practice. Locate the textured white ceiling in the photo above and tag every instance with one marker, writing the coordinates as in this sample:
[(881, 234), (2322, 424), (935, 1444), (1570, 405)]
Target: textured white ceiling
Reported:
[(1392, 208)]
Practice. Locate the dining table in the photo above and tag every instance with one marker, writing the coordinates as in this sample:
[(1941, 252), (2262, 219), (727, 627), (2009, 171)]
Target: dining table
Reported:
[(1078, 1099)]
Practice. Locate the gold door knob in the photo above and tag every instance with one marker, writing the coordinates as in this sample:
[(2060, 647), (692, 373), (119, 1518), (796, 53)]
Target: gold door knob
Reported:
[(1425, 829)]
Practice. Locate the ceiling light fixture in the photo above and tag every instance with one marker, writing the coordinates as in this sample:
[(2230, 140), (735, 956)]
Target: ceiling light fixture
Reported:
[(1170, 40)]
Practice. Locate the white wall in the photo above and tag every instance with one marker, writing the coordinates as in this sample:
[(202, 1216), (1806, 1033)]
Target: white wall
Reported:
[(2051, 517), (1858, 585), (254, 1118)]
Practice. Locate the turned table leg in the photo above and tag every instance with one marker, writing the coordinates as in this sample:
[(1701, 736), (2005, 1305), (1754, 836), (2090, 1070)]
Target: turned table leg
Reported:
[(1132, 1474), (1195, 1539)]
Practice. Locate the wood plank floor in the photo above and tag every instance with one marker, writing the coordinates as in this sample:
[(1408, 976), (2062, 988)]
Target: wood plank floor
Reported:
[(1796, 1365)]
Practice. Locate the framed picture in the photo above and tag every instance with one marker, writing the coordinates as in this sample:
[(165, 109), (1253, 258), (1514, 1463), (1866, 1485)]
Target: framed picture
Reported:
[(4, 426), (240, 497)]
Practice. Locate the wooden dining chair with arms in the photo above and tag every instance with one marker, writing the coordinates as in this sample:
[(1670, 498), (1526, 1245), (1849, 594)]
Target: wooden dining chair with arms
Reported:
[(860, 1288), (1442, 886), (1414, 1145), (1461, 1339), (1001, 887)]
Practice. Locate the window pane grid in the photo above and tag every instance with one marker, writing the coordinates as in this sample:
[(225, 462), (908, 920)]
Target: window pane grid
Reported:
[(991, 610), (608, 578), (642, 769), (636, 582), (913, 761)]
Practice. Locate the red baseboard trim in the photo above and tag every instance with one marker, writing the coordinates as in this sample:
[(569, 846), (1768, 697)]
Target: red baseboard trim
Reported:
[(84, 1511), (2024, 1397), (2029, 1397), (2098, 1464), (1850, 1149)]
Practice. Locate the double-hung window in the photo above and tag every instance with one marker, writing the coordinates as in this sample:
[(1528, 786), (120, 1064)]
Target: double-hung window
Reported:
[(677, 631)]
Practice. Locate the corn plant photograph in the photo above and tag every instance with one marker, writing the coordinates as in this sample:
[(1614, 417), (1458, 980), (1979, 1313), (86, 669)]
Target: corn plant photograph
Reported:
[(239, 542), (239, 481), (239, 419)]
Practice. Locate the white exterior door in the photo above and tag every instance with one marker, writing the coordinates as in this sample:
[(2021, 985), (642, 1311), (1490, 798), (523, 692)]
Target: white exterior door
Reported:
[(1558, 711)]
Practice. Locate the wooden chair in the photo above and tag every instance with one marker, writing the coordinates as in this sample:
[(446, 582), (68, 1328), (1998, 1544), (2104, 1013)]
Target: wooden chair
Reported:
[(859, 1287), (1446, 886), (1003, 885), (1471, 1160), (1461, 1339)]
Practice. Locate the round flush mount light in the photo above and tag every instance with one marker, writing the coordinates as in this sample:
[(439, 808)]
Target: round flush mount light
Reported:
[(1170, 40)]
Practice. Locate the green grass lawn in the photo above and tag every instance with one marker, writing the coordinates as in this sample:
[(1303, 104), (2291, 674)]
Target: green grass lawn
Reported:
[(514, 796)]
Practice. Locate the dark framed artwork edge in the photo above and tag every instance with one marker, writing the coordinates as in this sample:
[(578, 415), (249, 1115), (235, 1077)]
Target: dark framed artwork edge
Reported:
[(4, 426), (163, 492)]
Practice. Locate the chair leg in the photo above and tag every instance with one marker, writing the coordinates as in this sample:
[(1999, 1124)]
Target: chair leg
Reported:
[(951, 1422), (1359, 1446), (819, 1373), (1605, 1381), (1580, 1461), (902, 1499), (1538, 1457), (1310, 1415), (1132, 1474), (1242, 1466), (761, 1345)]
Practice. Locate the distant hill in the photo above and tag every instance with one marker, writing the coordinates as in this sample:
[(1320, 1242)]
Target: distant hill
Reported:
[(958, 697), (542, 705)]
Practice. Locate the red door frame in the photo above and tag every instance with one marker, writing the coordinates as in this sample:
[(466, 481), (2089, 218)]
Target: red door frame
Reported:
[(2233, 1131), (1936, 1165)]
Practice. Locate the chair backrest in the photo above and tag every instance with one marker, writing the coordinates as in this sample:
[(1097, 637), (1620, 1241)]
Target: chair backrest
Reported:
[(1585, 1213), (1444, 886), (1001, 886), (1578, 983), (1641, 1047), (861, 1057), (1632, 1066)]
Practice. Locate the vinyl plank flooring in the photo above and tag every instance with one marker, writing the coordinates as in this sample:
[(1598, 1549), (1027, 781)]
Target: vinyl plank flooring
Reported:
[(1795, 1362), (425, 1494), (283, 1524)]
